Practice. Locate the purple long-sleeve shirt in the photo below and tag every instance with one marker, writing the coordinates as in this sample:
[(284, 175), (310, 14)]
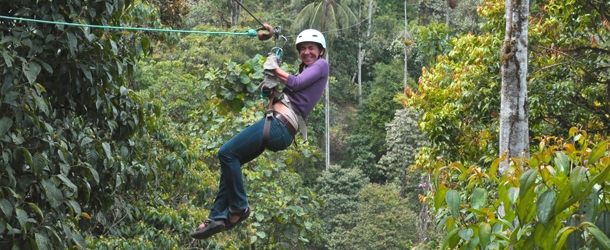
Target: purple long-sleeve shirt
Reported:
[(305, 90)]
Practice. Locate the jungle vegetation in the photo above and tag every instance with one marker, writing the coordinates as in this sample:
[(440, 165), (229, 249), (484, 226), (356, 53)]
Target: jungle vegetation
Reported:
[(108, 137)]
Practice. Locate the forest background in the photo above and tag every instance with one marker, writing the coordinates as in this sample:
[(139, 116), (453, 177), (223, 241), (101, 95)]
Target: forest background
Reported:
[(109, 136)]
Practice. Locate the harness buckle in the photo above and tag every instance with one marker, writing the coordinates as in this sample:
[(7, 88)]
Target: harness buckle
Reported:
[(269, 113)]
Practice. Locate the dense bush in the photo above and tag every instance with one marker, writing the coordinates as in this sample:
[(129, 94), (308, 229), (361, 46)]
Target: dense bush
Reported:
[(556, 200), (68, 119)]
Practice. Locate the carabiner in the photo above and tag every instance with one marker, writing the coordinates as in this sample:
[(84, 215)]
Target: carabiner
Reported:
[(277, 41), (278, 52)]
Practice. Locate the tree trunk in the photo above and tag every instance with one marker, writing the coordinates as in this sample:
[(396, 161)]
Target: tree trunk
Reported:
[(514, 135), (406, 76), (235, 12), (447, 20), (327, 115), (359, 59), (361, 52)]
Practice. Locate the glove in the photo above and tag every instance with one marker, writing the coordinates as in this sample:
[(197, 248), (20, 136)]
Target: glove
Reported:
[(272, 62), (269, 82)]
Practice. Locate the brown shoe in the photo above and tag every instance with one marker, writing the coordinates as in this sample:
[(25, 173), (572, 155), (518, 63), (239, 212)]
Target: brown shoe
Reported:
[(208, 228), (244, 214)]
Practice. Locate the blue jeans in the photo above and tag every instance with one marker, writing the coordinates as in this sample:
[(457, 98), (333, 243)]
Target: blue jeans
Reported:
[(238, 151)]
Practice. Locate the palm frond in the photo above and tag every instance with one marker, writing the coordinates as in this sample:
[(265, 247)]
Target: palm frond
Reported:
[(304, 17), (327, 15)]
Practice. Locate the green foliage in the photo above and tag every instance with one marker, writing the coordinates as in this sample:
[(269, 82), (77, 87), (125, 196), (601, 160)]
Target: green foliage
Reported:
[(382, 220), (569, 62), (432, 41), (430, 12), (282, 206), (377, 109), (556, 200), (459, 102), (403, 140), (464, 18), (171, 11), (359, 156), (325, 16), (205, 107), (68, 123), (338, 189), (459, 95), (344, 89)]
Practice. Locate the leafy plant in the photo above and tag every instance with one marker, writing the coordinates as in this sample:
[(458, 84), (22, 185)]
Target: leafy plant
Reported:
[(556, 200), (68, 122)]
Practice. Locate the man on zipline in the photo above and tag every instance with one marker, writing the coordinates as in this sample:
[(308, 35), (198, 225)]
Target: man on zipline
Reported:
[(287, 110)]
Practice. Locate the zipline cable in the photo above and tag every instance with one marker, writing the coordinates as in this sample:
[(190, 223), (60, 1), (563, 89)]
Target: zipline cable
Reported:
[(249, 13), (250, 32)]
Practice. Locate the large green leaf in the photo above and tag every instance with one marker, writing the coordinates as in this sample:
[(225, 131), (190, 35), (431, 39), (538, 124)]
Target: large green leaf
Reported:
[(513, 194), (8, 59), (562, 236), (527, 181), (544, 207), (76, 209), (440, 196), (2, 225), (479, 198), (36, 209), (67, 182), (598, 152), (453, 200), (31, 71), (524, 205), (41, 103), (22, 217), (53, 195), (40, 162), (599, 236), (562, 164), (578, 180), (42, 242), (603, 222), (107, 150), (5, 125), (6, 207), (466, 233), (484, 234), (450, 239), (562, 198), (27, 157), (79, 240)]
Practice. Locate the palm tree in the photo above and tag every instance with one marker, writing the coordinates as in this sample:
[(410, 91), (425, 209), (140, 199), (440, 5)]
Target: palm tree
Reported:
[(328, 17)]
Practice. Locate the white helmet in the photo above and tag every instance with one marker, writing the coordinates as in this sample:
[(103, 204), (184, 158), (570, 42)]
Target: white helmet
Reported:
[(311, 35)]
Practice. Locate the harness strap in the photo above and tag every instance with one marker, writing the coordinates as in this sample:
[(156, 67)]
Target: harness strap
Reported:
[(268, 117)]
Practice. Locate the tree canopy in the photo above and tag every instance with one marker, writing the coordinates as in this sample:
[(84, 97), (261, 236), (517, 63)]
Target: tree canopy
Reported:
[(109, 136)]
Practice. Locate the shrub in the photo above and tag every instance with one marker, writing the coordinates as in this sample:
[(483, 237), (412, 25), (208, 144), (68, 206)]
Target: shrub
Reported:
[(557, 199)]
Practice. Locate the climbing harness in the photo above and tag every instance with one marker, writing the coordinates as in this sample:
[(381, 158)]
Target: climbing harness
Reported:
[(274, 94)]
